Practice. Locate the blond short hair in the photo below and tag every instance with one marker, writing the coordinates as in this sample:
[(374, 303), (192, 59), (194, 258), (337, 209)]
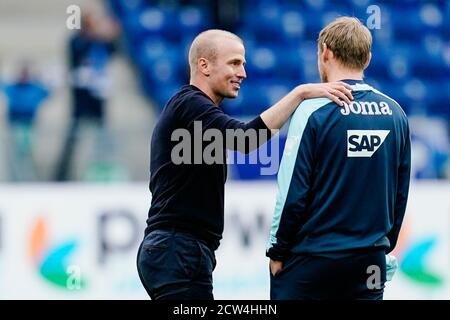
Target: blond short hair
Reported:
[(349, 40)]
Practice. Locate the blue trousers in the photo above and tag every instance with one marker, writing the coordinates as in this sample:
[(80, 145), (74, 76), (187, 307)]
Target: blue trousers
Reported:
[(176, 266), (356, 277)]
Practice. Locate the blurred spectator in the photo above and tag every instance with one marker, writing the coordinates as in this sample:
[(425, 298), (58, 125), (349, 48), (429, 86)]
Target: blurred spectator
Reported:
[(90, 51), (226, 13), (24, 97)]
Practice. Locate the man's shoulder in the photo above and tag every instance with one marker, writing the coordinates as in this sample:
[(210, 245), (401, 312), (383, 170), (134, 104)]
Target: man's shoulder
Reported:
[(381, 96), (315, 103), (187, 104), (310, 106), (187, 96), (392, 102)]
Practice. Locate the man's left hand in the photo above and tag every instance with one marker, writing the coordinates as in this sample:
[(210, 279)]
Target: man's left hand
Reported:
[(275, 266)]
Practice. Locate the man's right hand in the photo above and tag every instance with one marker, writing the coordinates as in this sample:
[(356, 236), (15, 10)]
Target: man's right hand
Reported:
[(276, 116)]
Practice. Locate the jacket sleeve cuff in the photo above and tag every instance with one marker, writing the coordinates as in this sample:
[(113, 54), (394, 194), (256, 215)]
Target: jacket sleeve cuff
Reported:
[(277, 254)]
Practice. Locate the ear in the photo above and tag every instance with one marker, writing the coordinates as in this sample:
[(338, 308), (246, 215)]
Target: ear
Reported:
[(204, 66), (322, 52), (368, 61), (327, 54)]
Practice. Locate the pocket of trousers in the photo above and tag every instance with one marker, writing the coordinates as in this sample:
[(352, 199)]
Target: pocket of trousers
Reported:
[(188, 257), (154, 258), (154, 263)]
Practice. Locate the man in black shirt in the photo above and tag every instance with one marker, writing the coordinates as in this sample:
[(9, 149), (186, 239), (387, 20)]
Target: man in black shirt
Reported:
[(185, 222)]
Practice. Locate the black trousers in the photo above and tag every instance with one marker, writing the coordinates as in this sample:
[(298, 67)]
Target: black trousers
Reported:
[(176, 266), (356, 277)]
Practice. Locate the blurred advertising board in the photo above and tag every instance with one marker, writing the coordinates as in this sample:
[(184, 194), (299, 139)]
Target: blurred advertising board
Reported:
[(78, 241)]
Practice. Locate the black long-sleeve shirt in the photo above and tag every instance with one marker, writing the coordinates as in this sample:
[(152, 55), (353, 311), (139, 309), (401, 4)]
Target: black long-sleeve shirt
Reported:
[(190, 196)]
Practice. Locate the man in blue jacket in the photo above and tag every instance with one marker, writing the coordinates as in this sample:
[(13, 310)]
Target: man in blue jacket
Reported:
[(24, 98), (343, 182)]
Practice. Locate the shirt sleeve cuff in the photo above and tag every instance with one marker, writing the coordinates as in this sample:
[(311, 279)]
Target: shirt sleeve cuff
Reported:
[(258, 124)]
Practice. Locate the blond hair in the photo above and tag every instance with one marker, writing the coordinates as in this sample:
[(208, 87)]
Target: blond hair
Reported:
[(349, 40)]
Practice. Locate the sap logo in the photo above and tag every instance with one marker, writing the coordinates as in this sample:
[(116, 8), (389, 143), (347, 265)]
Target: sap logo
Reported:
[(367, 108), (364, 143)]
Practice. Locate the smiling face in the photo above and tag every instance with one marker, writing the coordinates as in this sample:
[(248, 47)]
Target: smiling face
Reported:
[(216, 61), (227, 68)]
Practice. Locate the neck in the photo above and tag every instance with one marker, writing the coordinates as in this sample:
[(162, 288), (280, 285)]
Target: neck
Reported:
[(206, 89), (337, 74)]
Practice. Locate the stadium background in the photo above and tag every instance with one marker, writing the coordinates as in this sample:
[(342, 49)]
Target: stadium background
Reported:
[(77, 238)]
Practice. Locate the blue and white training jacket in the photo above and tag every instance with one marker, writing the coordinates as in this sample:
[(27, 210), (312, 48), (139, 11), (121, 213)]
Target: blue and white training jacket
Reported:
[(344, 176)]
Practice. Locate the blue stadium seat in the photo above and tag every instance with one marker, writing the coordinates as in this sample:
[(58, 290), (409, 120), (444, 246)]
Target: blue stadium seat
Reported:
[(291, 64), (446, 23), (262, 61), (417, 21), (316, 20), (419, 94), (438, 98), (152, 48), (132, 27), (161, 63), (292, 25), (257, 96), (364, 4), (163, 92), (394, 62), (429, 64), (265, 22), (156, 50), (155, 21), (254, 98), (307, 53), (240, 106), (235, 107), (275, 61), (399, 61), (192, 20), (393, 89), (123, 8)]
